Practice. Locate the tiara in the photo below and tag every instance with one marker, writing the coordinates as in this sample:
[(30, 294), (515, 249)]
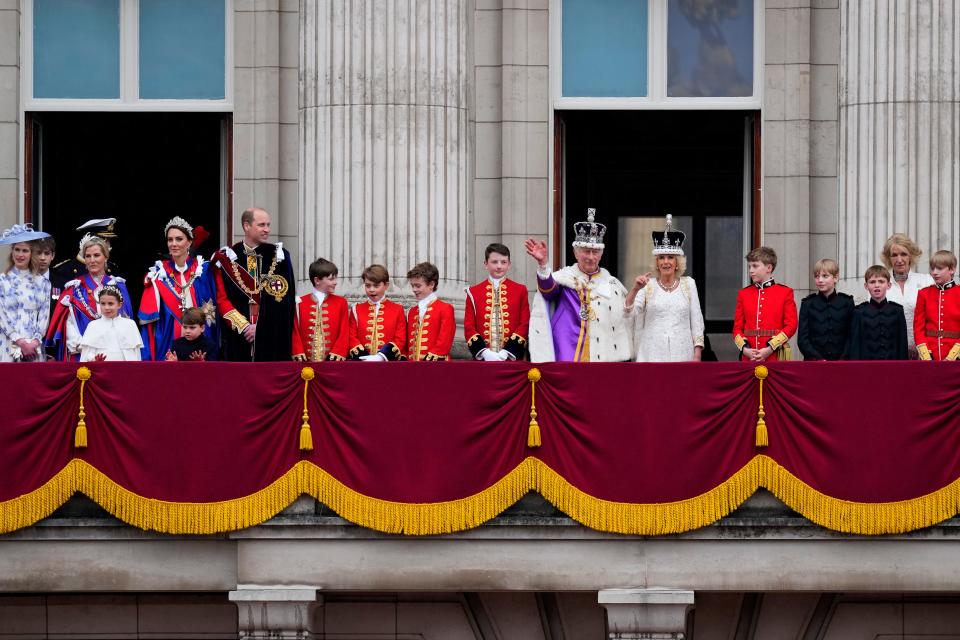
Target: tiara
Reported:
[(589, 234), (179, 223), (113, 289), (89, 237)]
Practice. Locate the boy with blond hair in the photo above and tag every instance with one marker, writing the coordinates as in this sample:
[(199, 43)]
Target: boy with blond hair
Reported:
[(824, 331), (879, 329), (936, 319), (766, 314)]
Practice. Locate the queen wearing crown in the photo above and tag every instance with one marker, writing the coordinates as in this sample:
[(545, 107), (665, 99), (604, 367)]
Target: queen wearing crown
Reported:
[(171, 287), (669, 323), (79, 304), (577, 313)]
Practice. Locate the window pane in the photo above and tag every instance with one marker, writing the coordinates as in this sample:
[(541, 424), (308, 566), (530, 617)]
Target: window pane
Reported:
[(605, 48), (723, 262), (182, 49), (76, 49), (710, 48)]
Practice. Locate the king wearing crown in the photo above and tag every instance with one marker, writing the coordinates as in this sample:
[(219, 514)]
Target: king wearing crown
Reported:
[(578, 311)]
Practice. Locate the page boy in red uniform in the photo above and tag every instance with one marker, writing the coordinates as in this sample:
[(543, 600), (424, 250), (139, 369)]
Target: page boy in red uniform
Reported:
[(497, 312), (378, 329), (936, 319), (766, 315), (430, 323), (320, 328)]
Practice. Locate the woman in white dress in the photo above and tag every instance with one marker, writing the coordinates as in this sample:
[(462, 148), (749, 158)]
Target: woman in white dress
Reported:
[(669, 323), (900, 255), (24, 299)]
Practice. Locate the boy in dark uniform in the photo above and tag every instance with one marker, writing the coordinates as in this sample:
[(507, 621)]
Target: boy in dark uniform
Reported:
[(824, 332), (879, 328)]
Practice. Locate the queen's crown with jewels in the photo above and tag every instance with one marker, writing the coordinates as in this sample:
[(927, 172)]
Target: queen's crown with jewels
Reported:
[(668, 242)]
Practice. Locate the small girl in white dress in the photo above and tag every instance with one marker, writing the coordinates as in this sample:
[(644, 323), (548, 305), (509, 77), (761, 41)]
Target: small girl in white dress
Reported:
[(669, 323), (110, 337)]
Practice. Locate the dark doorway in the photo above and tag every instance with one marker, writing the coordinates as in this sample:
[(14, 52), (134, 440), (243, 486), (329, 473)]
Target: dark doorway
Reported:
[(140, 168), (634, 167)]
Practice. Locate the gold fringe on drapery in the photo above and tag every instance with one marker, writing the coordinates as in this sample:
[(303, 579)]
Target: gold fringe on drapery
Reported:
[(457, 515)]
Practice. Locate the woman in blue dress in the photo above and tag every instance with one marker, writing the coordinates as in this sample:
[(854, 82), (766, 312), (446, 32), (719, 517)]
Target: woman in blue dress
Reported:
[(172, 286), (78, 305), (24, 299)]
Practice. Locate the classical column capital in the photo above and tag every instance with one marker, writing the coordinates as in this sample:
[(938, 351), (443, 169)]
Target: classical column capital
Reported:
[(653, 614), (278, 612)]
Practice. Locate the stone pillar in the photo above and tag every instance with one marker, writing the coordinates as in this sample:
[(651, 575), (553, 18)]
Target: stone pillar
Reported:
[(899, 126), (10, 133), (278, 613), (652, 614), (384, 137)]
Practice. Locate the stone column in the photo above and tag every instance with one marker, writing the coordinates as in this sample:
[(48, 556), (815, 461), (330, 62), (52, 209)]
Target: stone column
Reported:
[(10, 133), (278, 613), (653, 614), (899, 127), (384, 138)]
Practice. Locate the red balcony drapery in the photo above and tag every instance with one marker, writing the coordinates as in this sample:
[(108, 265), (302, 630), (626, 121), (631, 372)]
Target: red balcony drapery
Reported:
[(431, 448)]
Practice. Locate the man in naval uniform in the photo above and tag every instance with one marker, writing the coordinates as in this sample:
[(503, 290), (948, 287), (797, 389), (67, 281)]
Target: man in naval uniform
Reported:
[(578, 312), (254, 295)]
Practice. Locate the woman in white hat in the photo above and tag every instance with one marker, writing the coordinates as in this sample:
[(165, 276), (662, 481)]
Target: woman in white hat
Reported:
[(669, 323), (24, 299)]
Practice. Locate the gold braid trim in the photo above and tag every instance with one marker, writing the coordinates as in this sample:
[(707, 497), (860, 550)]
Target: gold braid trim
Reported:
[(954, 352), (472, 511), (923, 351), (236, 320)]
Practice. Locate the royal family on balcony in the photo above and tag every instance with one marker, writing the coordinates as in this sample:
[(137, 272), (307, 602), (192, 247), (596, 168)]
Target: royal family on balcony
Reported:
[(242, 306)]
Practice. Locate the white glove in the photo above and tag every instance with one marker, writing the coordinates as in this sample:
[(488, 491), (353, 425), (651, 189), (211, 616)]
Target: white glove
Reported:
[(377, 357), (490, 356), (503, 355)]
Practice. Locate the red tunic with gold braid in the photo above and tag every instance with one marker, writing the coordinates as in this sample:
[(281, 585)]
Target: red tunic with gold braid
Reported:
[(766, 316), (378, 328), (320, 332), (497, 318), (430, 338), (936, 322)]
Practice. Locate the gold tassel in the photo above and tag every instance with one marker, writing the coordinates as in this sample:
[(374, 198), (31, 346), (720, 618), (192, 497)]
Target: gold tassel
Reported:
[(533, 433), (762, 440), (80, 436), (306, 438)]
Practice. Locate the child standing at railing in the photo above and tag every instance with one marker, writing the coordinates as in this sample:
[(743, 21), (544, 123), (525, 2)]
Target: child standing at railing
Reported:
[(110, 337)]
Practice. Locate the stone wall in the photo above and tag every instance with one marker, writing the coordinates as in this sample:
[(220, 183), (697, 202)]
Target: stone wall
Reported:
[(10, 145)]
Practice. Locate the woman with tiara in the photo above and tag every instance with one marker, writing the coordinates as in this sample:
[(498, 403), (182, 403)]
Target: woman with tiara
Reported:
[(79, 304), (669, 322), (172, 286), (24, 299)]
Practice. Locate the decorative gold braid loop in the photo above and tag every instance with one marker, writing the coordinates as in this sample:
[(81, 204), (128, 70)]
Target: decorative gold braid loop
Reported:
[(762, 439), (533, 432), (80, 435), (306, 437)]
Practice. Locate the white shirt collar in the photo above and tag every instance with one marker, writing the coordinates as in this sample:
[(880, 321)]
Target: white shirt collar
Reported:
[(319, 296), (378, 302), (495, 281), (182, 269), (423, 304)]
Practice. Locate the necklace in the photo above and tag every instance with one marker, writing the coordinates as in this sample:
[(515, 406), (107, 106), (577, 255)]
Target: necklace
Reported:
[(258, 286), (184, 289), (668, 289), (901, 277)]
